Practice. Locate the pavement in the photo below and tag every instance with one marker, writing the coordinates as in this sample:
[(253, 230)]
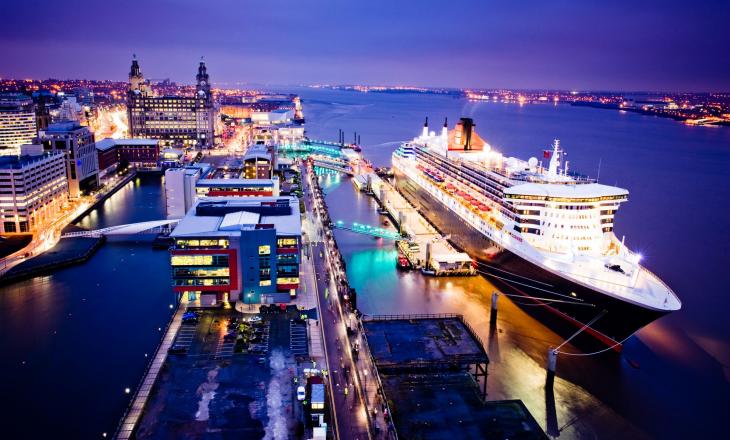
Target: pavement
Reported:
[(351, 378)]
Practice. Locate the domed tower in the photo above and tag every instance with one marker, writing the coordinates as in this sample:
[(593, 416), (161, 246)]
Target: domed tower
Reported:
[(203, 83)]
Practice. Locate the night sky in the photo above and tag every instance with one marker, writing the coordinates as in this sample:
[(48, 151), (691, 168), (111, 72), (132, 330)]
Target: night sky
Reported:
[(599, 45)]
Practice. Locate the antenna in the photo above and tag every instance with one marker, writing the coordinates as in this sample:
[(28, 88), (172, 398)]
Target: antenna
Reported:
[(598, 176)]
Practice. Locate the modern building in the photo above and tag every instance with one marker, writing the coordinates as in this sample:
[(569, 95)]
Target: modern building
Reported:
[(238, 187), (237, 249), (17, 123), (77, 143), (180, 192), (33, 189), (177, 120), (258, 162), (136, 153)]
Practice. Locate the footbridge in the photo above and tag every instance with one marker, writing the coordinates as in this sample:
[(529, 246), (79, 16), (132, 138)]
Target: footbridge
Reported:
[(374, 231), (338, 165), (142, 228)]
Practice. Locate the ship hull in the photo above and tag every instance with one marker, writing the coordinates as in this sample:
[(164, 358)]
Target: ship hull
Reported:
[(566, 306)]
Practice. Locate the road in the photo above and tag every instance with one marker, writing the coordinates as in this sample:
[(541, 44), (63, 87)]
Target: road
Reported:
[(346, 397)]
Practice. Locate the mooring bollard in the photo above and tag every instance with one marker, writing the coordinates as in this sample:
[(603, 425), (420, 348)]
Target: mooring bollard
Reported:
[(493, 314), (552, 360)]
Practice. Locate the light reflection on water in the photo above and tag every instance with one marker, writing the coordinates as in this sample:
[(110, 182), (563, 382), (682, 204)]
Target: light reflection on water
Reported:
[(675, 366)]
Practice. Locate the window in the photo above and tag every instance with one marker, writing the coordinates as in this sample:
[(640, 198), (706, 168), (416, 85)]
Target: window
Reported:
[(264, 249), (294, 280), (264, 283), (191, 260), (287, 241)]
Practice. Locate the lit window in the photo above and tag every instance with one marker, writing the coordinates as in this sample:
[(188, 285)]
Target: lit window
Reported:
[(264, 283), (264, 249)]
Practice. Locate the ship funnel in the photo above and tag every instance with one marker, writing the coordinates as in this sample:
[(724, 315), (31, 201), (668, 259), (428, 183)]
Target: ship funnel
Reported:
[(467, 127)]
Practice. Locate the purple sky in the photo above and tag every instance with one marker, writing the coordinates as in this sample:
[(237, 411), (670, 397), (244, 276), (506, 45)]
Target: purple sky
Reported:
[(618, 44)]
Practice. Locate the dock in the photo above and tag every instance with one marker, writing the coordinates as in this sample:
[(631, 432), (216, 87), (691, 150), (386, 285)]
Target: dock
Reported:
[(429, 367), (426, 248), (67, 252)]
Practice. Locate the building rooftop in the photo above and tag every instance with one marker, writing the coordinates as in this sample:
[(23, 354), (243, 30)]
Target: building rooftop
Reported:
[(227, 216), (108, 143), (18, 162), (64, 126), (405, 341)]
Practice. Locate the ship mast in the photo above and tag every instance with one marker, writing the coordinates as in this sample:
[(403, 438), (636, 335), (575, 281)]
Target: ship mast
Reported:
[(554, 159)]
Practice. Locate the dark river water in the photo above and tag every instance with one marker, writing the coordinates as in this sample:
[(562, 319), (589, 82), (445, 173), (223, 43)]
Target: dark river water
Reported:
[(74, 340), (673, 378)]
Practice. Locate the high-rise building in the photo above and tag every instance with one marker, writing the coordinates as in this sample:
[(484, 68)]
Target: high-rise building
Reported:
[(177, 120), (17, 123), (77, 143), (33, 189)]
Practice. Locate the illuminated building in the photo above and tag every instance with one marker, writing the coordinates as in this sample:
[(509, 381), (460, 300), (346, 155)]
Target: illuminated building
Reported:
[(33, 188), (237, 248), (77, 143), (17, 123), (257, 163), (137, 153), (238, 187), (176, 120)]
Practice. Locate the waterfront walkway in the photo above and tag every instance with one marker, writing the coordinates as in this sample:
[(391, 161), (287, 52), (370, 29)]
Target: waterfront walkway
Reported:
[(134, 411), (49, 235), (346, 399)]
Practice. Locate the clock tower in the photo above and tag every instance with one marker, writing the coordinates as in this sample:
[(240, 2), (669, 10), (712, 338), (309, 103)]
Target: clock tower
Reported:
[(202, 87)]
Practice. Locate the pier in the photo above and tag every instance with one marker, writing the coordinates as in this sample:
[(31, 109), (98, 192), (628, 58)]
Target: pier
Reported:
[(425, 248)]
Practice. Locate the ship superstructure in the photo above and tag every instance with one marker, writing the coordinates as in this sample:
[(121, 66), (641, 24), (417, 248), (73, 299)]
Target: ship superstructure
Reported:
[(541, 230)]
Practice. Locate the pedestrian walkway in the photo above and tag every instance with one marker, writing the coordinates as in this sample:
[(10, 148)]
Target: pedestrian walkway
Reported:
[(134, 411)]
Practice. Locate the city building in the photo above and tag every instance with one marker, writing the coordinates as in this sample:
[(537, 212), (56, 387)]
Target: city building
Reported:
[(238, 187), (257, 163), (17, 123), (188, 121), (33, 189), (77, 143), (237, 249), (136, 153), (42, 113), (278, 116), (180, 190)]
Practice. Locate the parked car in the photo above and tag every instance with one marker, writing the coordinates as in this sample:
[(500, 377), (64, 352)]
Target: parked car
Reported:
[(301, 393), (178, 349)]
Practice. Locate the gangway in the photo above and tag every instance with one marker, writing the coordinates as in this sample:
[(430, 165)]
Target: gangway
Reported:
[(141, 228), (374, 231)]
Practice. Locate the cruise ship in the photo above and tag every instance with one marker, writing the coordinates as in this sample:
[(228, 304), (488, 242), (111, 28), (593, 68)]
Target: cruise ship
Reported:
[(543, 235)]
